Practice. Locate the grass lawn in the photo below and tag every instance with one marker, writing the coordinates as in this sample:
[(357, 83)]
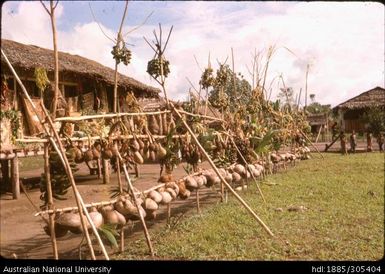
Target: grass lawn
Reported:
[(344, 220), (30, 163)]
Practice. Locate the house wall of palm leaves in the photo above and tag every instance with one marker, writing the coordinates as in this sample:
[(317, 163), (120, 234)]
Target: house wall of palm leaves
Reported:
[(85, 84), (350, 112)]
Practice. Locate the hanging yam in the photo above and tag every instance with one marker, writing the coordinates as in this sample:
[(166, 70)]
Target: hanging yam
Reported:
[(69, 220), (97, 219), (78, 155), (138, 158), (256, 173), (166, 197), (152, 155), (60, 231), (134, 145), (155, 195), (174, 186), (236, 177), (161, 151), (185, 194), (190, 182), (199, 181), (150, 205), (248, 175), (172, 192), (135, 215), (153, 125), (229, 178), (212, 179), (113, 217), (240, 169), (182, 188), (88, 155), (141, 144)]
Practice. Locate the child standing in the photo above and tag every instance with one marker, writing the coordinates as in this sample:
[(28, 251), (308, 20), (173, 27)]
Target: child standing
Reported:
[(353, 142)]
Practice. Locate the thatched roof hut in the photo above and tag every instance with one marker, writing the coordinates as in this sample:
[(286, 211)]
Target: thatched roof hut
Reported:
[(351, 111), (372, 98), (25, 58)]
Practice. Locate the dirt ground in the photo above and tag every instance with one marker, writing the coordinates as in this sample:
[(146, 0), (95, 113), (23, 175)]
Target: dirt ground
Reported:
[(22, 235)]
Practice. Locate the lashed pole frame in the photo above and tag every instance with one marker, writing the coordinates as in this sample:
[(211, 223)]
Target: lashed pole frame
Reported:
[(132, 192), (50, 201), (60, 150), (247, 167), (265, 227)]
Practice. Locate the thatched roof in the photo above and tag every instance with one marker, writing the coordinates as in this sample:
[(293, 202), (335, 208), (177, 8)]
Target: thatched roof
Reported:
[(371, 98), (27, 57), (317, 118)]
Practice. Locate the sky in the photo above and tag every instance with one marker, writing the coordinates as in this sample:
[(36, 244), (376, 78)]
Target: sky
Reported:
[(342, 42)]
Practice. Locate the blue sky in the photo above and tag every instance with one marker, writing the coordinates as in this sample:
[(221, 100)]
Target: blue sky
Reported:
[(342, 42)]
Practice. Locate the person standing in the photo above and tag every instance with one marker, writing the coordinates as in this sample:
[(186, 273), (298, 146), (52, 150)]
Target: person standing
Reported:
[(369, 142), (380, 141), (344, 150), (353, 142)]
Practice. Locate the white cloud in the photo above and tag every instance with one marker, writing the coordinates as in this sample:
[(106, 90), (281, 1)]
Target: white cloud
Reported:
[(343, 42)]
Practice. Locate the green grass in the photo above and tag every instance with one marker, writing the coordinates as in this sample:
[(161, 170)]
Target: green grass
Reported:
[(30, 163), (344, 221)]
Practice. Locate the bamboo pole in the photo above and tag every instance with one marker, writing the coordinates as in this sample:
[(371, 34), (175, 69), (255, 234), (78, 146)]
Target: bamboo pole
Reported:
[(79, 201), (247, 167), (106, 171), (303, 134), (79, 139), (219, 175), (60, 151), (121, 192), (197, 199), (131, 188), (99, 166), (50, 201), (104, 203), (168, 213), (121, 114)]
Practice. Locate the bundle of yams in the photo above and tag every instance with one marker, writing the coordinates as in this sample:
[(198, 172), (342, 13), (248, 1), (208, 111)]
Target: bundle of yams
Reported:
[(134, 151), (125, 208)]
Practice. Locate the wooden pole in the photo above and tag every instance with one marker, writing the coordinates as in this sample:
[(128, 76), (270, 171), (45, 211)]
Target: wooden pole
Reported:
[(121, 192), (198, 205), (61, 152), (131, 188), (247, 167), (104, 203), (168, 213), (303, 134), (99, 165), (15, 178), (50, 201), (219, 175), (106, 171)]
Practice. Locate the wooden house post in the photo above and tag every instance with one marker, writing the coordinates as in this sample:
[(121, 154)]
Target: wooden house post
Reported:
[(15, 177)]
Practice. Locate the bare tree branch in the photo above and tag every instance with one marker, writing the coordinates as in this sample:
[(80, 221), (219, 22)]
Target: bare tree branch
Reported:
[(57, 2), (168, 37), (93, 15), (137, 27), (149, 44), (44, 6)]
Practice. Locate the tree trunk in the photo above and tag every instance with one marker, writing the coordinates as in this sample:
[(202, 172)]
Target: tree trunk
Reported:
[(56, 56)]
